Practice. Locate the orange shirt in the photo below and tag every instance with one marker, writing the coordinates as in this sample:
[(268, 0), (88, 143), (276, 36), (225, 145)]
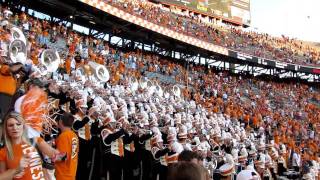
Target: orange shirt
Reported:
[(68, 65), (79, 64), (255, 121), (67, 142), (8, 85), (34, 170)]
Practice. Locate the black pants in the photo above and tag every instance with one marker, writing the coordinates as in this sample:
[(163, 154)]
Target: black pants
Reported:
[(113, 165), (95, 161), (83, 168), (281, 169), (131, 166), (296, 168), (160, 170), (147, 159)]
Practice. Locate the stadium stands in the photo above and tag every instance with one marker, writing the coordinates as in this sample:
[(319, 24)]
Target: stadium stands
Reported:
[(262, 45), (232, 114)]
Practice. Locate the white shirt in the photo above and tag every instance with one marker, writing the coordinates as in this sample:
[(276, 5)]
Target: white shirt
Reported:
[(296, 159)]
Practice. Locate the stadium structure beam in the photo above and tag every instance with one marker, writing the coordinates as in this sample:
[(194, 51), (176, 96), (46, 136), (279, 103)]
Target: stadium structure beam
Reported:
[(184, 56), (117, 43), (211, 61)]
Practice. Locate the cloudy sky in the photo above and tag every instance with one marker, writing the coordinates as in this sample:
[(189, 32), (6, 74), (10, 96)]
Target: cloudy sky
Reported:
[(294, 18)]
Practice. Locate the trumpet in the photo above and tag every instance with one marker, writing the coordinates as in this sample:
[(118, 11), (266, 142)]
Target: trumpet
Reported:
[(163, 129), (53, 104), (188, 141), (145, 131), (166, 145), (132, 129)]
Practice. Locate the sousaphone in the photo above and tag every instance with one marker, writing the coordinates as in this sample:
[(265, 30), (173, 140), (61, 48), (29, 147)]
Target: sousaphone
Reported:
[(176, 91), (166, 92), (151, 87), (17, 34), (99, 71), (158, 89), (50, 61), (17, 51), (143, 83), (134, 84)]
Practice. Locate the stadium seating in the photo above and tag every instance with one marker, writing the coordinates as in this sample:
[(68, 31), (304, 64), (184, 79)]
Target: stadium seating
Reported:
[(262, 45)]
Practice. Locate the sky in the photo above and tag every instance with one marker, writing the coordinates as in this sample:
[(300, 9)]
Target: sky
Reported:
[(294, 18)]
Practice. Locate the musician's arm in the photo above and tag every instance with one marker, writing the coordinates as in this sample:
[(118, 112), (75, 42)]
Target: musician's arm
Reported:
[(80, 124), (127, 139), (144, 137), (161, 152), (95, 130), (114, 136), (73, 106)]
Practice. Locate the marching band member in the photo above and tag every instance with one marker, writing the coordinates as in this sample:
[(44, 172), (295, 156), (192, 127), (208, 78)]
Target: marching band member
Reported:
[(269, 166), (260, 165), (145, 141), (248, 173), (131, 150), (183, 137), (82, 128), (296, 160), (112, 138), (282, 164), (227, 170), (175, 147), (242, 158), (94, 160), (160, 154)]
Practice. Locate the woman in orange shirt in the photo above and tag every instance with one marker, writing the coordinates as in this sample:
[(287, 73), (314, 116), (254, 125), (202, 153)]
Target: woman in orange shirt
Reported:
[(18, 146)]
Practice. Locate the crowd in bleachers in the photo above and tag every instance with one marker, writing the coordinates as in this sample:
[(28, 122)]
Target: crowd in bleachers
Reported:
[(258, 44), (234, 124)]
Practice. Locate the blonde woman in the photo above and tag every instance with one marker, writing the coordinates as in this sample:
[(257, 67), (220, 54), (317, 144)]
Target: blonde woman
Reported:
[(19, 159)]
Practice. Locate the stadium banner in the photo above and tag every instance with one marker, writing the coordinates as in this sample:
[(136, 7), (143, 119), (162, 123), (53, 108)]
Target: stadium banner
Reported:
[(233, 10)]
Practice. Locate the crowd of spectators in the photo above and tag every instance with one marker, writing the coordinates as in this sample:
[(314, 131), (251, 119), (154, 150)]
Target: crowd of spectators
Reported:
[(287, 112), (282, 48)]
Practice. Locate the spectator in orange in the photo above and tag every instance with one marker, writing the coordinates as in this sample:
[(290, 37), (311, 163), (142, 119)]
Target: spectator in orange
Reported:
[(17, 146), (8, 90), (68, 64), (67, 142)]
